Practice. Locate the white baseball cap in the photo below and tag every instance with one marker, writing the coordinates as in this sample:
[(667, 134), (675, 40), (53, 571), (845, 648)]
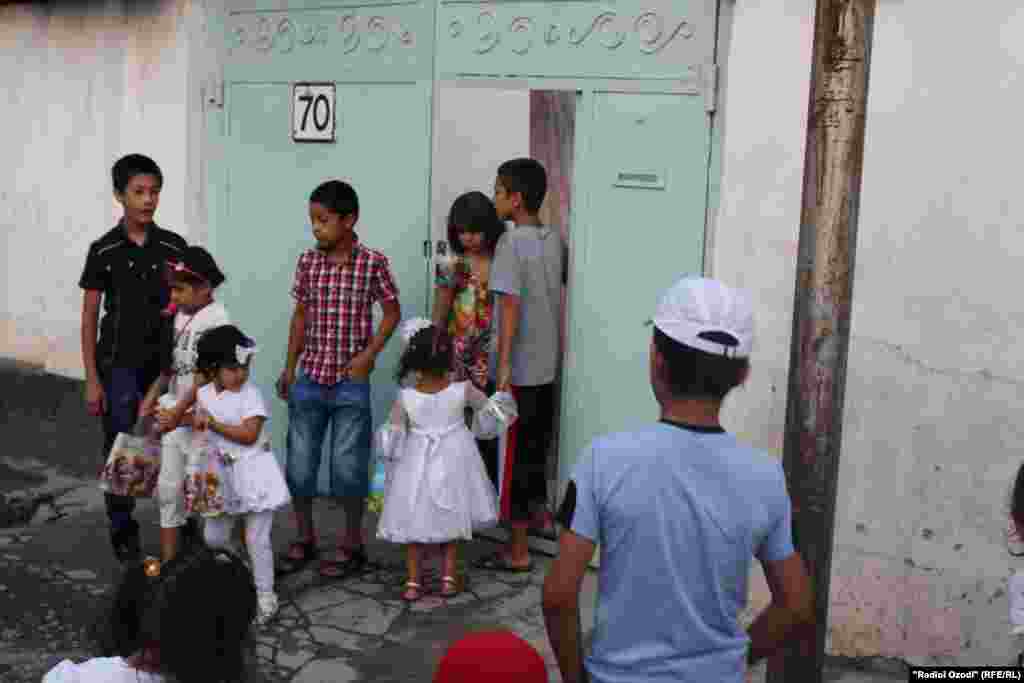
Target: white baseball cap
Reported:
[(708, 315)]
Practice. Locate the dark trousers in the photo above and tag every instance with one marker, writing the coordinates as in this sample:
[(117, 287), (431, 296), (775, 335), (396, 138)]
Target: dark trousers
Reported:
[(124, 389), (527, 446), (488, 447)]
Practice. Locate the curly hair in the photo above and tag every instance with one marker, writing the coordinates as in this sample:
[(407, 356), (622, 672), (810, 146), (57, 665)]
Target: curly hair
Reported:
[(429, 351)]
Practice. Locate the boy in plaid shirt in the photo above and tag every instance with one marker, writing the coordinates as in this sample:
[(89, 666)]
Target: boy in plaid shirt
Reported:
[(336, 285)]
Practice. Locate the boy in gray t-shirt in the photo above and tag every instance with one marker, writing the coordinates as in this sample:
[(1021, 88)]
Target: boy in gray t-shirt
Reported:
[(526, 277)]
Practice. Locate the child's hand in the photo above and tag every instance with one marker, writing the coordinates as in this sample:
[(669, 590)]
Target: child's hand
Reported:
[(504, 378), (360, 367), (146, 408), (200, 421), (95, 401), (167, 420), (284, 384)]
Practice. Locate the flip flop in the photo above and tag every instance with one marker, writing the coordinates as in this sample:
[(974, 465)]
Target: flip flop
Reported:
[(499, 563), (286, 564), (336, 570)]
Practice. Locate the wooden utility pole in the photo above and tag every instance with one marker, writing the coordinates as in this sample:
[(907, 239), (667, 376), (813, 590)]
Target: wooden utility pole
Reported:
[(821, 318)]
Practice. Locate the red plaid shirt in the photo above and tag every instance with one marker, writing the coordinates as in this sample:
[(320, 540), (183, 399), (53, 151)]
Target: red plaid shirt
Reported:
[(339, 308)]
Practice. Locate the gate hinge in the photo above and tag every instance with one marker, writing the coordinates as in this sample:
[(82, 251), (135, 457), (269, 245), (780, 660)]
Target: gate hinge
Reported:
[(710, 84), (213, 92)]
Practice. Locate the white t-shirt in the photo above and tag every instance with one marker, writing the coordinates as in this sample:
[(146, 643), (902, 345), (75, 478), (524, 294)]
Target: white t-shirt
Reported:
[(233, 408), (187, 330), (99, 670)]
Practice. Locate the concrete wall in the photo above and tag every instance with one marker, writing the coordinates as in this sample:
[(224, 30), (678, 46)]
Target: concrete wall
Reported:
[(85, 83), (934, 389), (475, 130)]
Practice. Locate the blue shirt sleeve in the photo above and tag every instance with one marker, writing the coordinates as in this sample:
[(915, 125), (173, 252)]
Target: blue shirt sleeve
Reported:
[(778, 541), (581, 509)]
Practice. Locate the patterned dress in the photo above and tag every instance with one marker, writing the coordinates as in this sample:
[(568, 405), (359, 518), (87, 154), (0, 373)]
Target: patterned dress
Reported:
[(469, 321)]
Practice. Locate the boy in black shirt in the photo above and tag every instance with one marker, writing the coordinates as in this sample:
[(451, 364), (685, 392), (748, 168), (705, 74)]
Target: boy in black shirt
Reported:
[(125, 269)]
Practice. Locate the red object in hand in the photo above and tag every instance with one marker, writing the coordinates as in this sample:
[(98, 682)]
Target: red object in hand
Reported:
[(171, 309)]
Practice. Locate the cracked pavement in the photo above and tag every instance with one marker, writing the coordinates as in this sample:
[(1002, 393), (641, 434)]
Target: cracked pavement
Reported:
[(58, 573)]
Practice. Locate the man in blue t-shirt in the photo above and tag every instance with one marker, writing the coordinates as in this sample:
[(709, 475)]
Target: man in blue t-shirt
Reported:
[(679, 509)]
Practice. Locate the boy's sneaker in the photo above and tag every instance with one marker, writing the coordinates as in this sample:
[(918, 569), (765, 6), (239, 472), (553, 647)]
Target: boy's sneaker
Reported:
[(267, 603)]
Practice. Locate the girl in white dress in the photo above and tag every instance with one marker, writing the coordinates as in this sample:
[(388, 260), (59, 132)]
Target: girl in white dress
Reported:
[(436, 486), (235, 475)]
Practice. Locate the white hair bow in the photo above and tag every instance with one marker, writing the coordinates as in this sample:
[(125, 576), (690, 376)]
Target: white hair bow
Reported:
[(412, 326), (244, 353)]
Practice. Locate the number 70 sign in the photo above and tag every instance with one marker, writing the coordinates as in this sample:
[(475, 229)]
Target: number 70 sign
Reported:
[(313, 113)]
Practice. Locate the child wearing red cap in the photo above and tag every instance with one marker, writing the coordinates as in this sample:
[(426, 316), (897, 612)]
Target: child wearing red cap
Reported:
[(492, 656)]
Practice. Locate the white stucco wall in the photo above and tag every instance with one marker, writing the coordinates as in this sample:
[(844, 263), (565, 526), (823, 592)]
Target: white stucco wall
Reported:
[(475, 130), (85, 85), (934, 384), (934, 389)]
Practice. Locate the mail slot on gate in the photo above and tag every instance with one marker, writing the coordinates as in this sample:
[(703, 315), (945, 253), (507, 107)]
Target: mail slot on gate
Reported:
[(645, 180)]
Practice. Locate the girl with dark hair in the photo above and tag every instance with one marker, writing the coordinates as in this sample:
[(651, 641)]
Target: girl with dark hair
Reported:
[(462, 304), (436, 488), (185, 621)]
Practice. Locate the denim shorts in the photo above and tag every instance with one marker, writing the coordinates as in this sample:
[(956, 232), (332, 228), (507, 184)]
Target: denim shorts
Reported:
[(344, 408)]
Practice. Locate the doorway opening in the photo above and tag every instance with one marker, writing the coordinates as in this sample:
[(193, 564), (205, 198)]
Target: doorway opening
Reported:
[(476, 129)]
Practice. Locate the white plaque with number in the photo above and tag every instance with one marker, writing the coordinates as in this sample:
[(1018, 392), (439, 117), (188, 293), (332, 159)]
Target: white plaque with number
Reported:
[(313, 115)]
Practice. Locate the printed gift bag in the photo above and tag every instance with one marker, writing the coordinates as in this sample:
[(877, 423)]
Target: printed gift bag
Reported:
[(210, 488), (133, 466)]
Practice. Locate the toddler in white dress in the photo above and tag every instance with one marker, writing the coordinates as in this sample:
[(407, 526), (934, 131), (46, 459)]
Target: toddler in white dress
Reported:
[(236, 475), (436, 485)]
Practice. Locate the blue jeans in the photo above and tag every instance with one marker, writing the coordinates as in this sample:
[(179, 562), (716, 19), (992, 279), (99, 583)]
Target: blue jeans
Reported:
[(345, 408), (123, 389)]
